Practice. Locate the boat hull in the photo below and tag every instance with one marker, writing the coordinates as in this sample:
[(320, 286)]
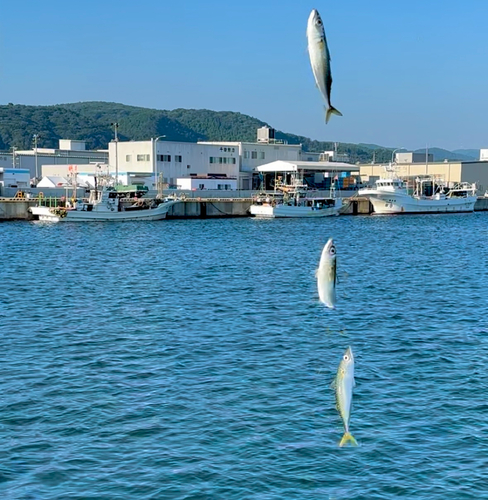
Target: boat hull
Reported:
[(57, 215), (293, 211), (391, 203)]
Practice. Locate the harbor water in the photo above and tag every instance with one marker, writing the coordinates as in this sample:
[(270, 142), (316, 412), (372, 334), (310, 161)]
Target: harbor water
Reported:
[(191, 359)]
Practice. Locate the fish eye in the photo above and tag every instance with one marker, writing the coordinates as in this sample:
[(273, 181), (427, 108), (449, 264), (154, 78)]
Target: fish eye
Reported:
[(319, 22), (332, 250), (346, 357)]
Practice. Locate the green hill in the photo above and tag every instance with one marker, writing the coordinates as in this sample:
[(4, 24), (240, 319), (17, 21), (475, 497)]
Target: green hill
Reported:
[(443, 154), (91, 121)]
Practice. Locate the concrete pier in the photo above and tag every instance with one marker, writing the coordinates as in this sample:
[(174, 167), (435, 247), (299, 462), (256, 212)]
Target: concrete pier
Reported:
[(356, 206), (481, 204), (15, 209), (201, 208)]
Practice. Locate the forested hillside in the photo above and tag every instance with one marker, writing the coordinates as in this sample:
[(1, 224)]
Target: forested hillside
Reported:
[(91, 121)]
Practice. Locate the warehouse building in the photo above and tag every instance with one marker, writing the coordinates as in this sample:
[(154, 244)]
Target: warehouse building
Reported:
[(450, 172)]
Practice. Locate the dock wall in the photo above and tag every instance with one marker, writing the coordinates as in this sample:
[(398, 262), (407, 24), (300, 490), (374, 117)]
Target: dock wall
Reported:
[(200, 208), (210, 207), (11, 209)]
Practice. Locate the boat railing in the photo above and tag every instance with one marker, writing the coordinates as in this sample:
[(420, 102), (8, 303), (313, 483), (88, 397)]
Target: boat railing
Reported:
[(463, 189)]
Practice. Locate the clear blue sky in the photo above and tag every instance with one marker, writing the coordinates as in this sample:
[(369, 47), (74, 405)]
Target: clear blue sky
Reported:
[(406, 74)]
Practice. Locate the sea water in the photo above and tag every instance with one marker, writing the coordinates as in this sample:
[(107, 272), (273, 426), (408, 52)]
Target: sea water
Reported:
[(193, 360)]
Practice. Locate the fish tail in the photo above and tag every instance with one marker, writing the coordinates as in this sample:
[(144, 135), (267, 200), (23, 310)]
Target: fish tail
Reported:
[(348, 437), (331, 111)]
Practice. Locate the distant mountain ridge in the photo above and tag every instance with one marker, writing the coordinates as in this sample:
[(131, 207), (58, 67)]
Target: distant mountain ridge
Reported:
[(443, 154), (472, 153), (91, 122)]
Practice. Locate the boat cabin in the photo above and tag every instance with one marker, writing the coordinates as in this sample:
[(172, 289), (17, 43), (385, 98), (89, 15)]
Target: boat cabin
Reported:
[(389, 184)]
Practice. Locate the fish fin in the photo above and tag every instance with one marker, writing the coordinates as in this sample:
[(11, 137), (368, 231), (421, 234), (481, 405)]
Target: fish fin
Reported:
[(316, 272), (333, 384), (348, 437), (331, 111)]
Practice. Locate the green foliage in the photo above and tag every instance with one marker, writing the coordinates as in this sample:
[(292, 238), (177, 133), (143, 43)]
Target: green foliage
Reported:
[(91, 121), (19, 123)]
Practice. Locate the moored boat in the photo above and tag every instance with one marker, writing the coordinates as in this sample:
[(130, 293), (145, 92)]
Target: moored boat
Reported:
[(294, 204), (391, 196), (107, 204)]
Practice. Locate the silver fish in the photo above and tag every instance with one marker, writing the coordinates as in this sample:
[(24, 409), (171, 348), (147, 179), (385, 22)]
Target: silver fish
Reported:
[(320, 60), (326, 275), (344, 383)]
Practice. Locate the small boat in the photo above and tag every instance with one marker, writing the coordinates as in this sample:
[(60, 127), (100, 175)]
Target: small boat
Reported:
[(107, 204), (294, 203), (391, 196)]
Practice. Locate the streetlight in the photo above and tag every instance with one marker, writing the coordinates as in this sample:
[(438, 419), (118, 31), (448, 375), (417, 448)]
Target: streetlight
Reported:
[(35, 138), (115, 125), (393, 153), (155, 160)]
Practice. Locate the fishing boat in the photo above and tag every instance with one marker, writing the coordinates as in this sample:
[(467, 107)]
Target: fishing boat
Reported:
[(294, 203), (391, 196), (107, 204)]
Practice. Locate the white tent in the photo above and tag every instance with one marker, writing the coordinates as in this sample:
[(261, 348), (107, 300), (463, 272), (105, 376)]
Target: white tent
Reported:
[(62, 182), (53, 182)]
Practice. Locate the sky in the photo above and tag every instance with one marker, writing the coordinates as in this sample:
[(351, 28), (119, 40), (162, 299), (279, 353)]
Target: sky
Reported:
[(406, 74)]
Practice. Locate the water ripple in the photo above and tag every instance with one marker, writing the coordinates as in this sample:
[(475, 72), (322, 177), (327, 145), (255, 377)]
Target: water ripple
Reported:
[(192, 359)]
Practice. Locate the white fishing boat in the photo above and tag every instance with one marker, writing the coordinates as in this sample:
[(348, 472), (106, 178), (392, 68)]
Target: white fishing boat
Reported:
[(294, 199), (106, 204), (391, 196), (294, 205)]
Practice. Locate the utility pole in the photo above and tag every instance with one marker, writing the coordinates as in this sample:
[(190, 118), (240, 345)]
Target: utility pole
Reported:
[(35, 138), (115, 125)]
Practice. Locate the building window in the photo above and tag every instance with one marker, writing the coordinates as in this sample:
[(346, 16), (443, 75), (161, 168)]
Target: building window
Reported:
[(261, 155), (142, 157), (128, 158), (246, 155), (254, 155), (178, 159), (164, 157), (201, 186), (220, 159)]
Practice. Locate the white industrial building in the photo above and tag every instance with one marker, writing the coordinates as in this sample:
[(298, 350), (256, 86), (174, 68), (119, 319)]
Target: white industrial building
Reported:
[(265, 150), (172, 160), (205, 182), (141, 162), (176, 160), (483, 154), (69, 152)]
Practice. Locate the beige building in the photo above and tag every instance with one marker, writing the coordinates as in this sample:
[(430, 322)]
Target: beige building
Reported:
[(448, 171)]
